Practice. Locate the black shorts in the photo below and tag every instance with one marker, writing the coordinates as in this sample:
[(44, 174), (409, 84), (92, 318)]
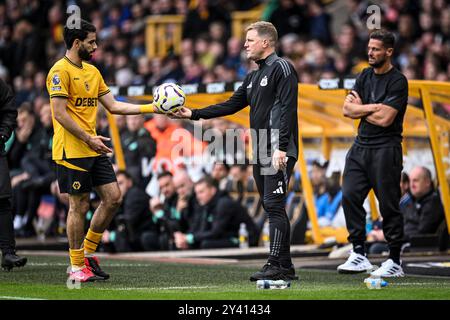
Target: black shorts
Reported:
[(79, 175)]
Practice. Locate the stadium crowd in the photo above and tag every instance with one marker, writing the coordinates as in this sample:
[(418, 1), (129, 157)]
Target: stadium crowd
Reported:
[(164, 210)]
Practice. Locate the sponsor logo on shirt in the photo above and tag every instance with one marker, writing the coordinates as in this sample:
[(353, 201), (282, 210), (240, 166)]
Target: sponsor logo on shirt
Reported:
[(86, 102)]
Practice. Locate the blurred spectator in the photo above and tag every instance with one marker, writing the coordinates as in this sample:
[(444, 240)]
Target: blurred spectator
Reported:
[(423, 214), (132, 220), (199, 19), (218, 223), (290, 17), (31, 165), (203, 53), (357, 12), (219, 173), (287, 43), (327, 210), (239, 181), (319, 182), (218, 32), (228, 144), (187, 205), (406, 198), (172, 142), (319, 22), (139, 148), (172, 70), (165, 215)]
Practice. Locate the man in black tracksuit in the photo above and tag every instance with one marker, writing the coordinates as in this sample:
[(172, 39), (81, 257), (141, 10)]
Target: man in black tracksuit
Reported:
[(379, 99), (8, 115), (271, 91)]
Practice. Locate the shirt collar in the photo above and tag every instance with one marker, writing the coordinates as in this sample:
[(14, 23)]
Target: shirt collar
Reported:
[(268, 60)]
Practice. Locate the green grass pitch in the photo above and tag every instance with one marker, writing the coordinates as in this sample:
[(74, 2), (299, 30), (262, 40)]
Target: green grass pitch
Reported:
[(45, 278)]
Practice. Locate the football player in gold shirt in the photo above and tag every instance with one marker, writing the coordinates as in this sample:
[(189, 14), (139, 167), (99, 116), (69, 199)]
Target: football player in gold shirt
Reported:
[(76, 88)]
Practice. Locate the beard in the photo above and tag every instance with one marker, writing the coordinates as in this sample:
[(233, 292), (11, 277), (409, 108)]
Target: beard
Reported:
[(379, 63), (84, 54)]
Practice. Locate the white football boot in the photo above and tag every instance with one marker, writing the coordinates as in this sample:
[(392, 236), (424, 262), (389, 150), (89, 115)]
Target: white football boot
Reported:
[(388, 269), (356, 263)]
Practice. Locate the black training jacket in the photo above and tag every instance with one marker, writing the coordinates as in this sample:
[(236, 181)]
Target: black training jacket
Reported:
[(271, 92), (8, 112)]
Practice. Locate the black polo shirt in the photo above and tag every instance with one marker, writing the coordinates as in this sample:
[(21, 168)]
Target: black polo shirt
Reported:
[(391, 89)]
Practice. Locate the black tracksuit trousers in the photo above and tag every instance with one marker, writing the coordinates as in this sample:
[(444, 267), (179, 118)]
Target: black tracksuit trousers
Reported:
[(380, 169), (7, 242), (272, 188)]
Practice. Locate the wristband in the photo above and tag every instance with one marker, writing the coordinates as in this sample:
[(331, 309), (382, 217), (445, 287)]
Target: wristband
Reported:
[(147, 108)]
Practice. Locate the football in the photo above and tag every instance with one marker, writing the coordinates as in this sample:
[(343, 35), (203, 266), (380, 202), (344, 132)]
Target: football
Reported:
[(169, 97)]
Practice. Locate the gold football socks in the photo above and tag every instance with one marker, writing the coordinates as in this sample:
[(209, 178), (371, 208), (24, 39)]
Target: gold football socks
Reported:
[(76, 259), (91, 242)]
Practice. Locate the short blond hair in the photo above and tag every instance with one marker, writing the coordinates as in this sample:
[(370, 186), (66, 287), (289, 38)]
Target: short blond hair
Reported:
[(266, 30)]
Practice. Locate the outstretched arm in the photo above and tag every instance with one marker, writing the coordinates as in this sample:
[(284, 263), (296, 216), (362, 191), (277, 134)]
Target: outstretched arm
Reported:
[(118, 107), (237, 101)]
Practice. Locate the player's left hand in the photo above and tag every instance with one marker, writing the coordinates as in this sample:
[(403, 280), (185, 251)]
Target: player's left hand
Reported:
[(279, 160)]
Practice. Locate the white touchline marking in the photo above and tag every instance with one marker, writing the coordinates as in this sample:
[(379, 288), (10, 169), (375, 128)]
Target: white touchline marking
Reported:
[(59, 264), (417, 284), (19, 298), (152, 288), (176, 288)]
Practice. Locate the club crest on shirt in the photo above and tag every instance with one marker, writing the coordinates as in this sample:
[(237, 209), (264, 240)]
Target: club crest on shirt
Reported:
[(76, 185), (86, 85), (56, 80), (263, 82)]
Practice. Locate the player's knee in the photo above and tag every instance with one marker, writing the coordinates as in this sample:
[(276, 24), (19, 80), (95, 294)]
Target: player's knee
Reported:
[(114, 201)]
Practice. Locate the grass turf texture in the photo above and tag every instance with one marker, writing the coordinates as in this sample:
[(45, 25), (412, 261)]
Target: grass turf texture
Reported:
[(45, 278)]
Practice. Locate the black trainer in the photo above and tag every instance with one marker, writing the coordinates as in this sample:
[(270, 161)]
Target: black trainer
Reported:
[(93, 264), (11, 260), (268, 272), (289, 273)]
